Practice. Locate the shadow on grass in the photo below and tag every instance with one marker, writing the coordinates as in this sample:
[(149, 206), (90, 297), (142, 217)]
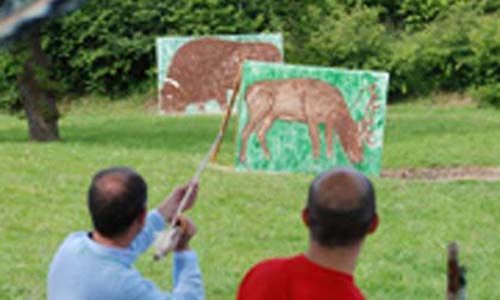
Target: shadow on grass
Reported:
[(172, 134), (179, 134)]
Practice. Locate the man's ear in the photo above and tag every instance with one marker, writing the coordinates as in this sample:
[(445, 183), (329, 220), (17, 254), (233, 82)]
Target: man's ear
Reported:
[(142, 218), (305, 217), (374, 224)]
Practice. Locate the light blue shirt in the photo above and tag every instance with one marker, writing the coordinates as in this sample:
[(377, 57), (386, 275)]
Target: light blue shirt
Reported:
[(85, 270)]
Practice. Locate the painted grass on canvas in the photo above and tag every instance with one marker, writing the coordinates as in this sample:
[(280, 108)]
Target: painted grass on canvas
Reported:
[(290, 143), (245, 217)]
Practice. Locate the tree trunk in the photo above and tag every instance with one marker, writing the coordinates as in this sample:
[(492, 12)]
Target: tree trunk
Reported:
[(38, 101)]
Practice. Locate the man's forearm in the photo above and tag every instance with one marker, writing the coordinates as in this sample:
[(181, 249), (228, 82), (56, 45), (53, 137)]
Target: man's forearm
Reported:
[(188, 282)]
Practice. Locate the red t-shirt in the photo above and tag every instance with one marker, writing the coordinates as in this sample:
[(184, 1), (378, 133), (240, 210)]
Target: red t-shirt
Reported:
[(296, 278)]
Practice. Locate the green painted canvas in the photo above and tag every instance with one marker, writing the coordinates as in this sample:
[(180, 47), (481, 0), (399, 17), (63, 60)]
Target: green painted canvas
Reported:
[(197, 74), (308, 119)]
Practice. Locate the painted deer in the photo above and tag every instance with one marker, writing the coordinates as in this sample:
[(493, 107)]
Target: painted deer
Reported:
[(205, 69), (312, 102)]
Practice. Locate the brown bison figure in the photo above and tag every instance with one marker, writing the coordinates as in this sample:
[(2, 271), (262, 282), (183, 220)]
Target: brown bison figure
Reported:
[(206, 69), (312, 102)]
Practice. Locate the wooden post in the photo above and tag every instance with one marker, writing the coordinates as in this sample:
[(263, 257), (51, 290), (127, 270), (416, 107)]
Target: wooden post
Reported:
[(227, 116), (456, 275)]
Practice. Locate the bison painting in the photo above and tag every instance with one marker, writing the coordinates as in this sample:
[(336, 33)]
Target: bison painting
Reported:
[(312, 102), (206, 68)]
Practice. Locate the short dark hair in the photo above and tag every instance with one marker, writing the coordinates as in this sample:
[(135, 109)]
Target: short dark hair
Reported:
[(341, 207), (116, 197)]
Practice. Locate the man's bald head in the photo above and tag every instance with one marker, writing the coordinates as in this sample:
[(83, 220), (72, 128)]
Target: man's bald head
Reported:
[(116, 197), (341, 207)]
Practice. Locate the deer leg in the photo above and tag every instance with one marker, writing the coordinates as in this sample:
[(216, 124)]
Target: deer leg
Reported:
[(329, 138), (313, 133), (255, 119), (267, 123), (249, 128), (257, 113)]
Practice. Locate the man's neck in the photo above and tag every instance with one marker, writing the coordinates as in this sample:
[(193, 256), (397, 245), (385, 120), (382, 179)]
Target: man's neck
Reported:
[(340, 259), (119, 242)]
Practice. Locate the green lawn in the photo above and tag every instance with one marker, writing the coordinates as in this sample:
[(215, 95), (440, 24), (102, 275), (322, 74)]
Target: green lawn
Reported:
[(245, 217)]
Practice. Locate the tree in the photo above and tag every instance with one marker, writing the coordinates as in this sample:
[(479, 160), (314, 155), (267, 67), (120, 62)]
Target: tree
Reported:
[(34, 90), (21, 21)]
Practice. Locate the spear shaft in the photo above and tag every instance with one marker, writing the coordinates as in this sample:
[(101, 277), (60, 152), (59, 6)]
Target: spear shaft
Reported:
[(167, 240)]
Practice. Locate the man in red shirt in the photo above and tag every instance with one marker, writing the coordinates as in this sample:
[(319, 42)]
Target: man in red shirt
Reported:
[(339, 213)]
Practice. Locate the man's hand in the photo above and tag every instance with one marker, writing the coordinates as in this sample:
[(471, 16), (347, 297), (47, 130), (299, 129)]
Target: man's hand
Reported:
[(188, 231), (172, 202)]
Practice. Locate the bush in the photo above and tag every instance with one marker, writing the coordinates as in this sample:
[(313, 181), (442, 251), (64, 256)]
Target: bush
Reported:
[(459, 50), (484, 60), (299, 21), (10, 68), (109, 46), (415, 14), (487, 95), (353, 40)]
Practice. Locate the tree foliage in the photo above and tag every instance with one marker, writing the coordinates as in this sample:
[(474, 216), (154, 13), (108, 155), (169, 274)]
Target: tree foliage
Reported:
[(9, 69), (353, 39), (108, 46), (458, 50)]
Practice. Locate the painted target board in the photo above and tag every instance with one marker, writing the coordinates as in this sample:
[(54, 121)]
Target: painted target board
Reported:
[(196, 74), (308, 119)]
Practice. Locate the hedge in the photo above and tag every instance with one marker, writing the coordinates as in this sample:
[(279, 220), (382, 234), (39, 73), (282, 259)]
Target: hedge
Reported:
[(108, 46)]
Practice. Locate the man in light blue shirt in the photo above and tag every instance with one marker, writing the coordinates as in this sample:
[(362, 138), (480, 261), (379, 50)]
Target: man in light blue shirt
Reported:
[(99, 264)]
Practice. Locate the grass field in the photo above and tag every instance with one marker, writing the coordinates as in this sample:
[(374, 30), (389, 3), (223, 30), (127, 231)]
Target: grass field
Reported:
[(245, 217)]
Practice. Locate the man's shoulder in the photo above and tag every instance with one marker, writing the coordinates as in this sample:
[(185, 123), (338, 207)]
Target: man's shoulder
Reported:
[(75, 237), (272, 266), (83, 272), (266, 279), (72, 242), (273, 269)]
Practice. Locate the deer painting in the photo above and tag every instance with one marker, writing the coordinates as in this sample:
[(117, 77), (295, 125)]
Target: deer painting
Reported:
[(309, 101), (205, 69)]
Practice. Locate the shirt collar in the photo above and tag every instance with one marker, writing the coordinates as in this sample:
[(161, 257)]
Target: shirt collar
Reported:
[(124, 256)]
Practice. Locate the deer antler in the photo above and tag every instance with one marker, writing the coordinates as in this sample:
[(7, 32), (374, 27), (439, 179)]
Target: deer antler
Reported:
[(366, 124)]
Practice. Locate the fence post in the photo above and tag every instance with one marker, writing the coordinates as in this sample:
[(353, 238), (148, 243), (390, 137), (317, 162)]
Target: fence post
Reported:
[(456, 275)]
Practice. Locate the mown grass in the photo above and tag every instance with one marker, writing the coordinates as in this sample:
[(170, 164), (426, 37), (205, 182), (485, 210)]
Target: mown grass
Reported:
[(245, 217)]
